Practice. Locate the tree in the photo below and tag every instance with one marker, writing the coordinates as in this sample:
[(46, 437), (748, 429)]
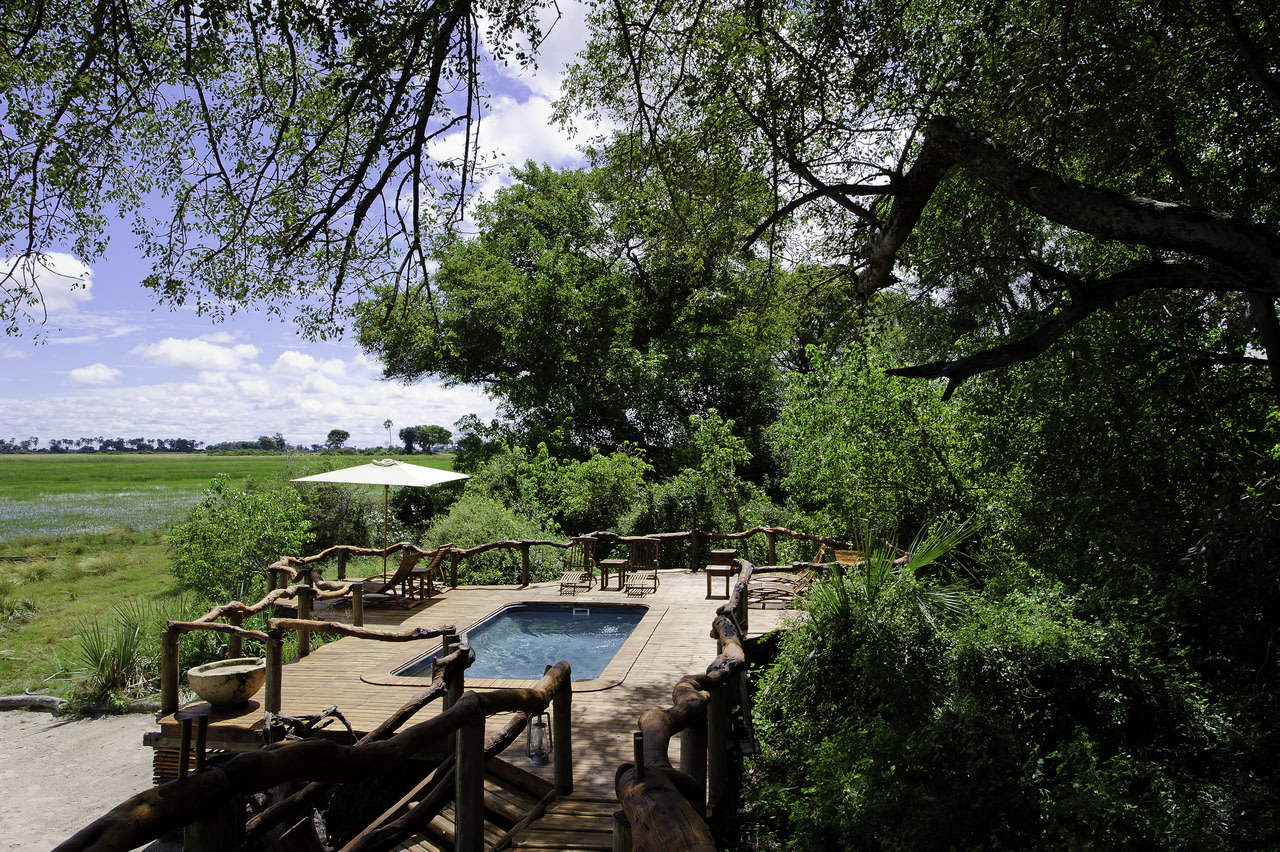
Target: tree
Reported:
[(430, 436), (387, 424), (1024, 166), (608, 318), (409, 434), (336, 438), (284, 139)]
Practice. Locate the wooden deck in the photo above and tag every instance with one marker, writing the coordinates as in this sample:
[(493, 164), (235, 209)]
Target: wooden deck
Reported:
[(672, 640)]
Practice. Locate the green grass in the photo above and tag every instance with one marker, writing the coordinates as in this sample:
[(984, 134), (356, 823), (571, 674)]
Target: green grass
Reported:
[(46, 494), (93, 528), (68, 582)]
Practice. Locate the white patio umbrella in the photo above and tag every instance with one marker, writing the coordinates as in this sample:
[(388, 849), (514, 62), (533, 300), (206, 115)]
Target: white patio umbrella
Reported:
[(387, 472)]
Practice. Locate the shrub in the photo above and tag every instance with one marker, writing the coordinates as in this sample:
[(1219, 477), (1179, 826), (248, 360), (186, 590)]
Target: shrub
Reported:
[(222, 550), (475, 520), (1014, 725), (118, 658)]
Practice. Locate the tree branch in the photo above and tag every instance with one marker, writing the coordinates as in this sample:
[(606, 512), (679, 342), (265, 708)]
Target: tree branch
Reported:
[(1091, 297)]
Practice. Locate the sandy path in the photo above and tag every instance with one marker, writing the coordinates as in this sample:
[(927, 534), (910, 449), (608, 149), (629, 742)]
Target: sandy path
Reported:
[(58, 775)]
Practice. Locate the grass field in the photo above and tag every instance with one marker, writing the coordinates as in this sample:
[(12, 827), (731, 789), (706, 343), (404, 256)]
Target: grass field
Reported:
[(147, 492), (92, 532)]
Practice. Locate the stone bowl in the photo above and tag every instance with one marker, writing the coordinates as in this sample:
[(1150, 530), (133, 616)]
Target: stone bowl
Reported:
[(228, 682)]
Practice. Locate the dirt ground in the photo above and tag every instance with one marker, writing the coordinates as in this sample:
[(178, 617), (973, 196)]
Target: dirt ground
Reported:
[(59, 775)]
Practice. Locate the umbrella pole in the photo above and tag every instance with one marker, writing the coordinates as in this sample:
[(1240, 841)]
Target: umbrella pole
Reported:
[(386, 494)]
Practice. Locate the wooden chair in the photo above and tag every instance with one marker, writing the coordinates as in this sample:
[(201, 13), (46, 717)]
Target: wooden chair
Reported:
[(849, 559), (422, 580), (578, 567), (777, 590), (642, 572), (400, 585)]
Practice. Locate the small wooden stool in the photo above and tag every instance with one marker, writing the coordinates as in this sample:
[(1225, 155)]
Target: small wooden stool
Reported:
[(618, 567)]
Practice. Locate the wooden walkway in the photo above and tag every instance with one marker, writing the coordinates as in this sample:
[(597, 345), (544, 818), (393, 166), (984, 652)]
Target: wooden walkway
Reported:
[(672, 640)]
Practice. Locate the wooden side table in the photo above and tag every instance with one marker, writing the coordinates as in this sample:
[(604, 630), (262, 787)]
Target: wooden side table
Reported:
[(619, 567), (726, 571)]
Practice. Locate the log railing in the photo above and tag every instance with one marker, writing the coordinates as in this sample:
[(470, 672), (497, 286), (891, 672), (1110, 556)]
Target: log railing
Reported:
[(212, 794), (665, 807), (307, 570)]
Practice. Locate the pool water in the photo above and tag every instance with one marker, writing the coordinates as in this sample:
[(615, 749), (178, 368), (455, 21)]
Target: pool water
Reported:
[(521, 640)]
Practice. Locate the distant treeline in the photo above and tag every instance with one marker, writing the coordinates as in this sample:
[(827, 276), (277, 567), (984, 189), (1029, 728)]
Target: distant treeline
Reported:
[(103, 445), (266, 443)]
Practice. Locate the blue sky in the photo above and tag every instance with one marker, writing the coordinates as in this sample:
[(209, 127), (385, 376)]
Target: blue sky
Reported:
[(114, 364)]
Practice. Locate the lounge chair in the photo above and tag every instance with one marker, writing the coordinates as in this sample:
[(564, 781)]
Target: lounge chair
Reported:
[(578, 574), (642, 572), (400, 585)]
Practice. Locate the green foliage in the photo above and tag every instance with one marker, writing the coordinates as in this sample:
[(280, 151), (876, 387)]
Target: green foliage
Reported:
[(1010, 725), (338, 514), (478, 519), (563, 494), (865, 450), (708, 494), (221, 552), (607, 318)]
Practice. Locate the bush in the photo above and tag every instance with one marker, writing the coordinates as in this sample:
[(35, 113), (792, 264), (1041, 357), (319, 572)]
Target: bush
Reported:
[(1014, 726), (338, 514), (118, 658), (475, 520), (221, 552)]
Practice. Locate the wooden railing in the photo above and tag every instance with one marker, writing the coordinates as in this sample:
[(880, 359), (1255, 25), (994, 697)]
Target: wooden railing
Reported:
[(655, 797), (309, 570), (658, 799), (213, 796)]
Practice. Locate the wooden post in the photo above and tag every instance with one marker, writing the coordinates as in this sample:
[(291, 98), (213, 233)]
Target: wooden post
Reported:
[(621, 832), (718, 753), (342, 565), (695, 548), (221, 830), (357, 604), (469, 789), (637, 749), (184, 748), (562, 738), (275, 672), (305, 593), (524, 563), (169, 672), (271, 580), (235, 646), (773, 547), (693, 758), (448, 643), (742, 611), (454, 558)]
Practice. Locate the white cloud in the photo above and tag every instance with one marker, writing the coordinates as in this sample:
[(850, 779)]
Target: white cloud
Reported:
[(95, 375), (62, 282), (563, 38), (254, 389), (198, 354), (293, 362)]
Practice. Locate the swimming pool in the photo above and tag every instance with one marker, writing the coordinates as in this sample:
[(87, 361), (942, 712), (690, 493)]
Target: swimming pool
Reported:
[(519, 641)]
